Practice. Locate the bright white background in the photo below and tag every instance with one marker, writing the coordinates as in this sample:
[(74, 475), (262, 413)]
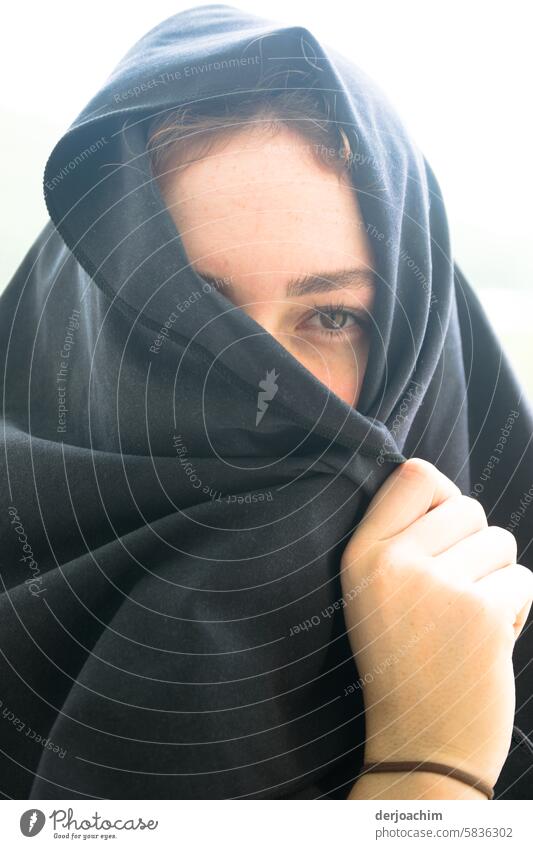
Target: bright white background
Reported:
[(459, 74)]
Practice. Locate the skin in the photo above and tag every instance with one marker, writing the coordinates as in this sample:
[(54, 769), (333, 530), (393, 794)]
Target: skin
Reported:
[(442, 606), (261, 210)]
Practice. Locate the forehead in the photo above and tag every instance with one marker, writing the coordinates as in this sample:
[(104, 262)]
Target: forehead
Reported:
[(264, 202)]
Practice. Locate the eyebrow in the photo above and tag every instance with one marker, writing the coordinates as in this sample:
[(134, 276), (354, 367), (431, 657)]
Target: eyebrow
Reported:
[(312, 283)]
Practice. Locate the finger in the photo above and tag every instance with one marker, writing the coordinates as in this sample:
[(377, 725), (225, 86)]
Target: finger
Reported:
[(408, 493), (478, 554), (512, 590), (447, 524), (521, 619)]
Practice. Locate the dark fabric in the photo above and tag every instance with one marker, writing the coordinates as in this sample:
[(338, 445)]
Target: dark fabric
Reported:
[(168, 626)]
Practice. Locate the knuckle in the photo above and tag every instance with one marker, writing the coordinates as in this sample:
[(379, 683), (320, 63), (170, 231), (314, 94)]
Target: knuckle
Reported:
[(475, 509), (527, 575), (393, 555), (506, 539), (398, 562)]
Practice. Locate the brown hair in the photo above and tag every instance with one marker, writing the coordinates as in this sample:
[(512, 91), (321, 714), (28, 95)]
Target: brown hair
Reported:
[(187, 133)]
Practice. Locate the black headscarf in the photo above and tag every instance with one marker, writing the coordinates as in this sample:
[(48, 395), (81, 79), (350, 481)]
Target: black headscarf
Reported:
[(171, 623)]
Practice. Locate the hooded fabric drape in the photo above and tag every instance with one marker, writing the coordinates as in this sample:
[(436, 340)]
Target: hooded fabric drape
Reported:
[(171, 618)]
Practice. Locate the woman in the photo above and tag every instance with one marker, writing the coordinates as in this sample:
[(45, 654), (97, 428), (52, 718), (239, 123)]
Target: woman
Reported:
[(206, 424)]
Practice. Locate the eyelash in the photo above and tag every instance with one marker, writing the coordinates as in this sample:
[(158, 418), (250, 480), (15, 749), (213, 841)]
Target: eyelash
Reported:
[(359, 318)]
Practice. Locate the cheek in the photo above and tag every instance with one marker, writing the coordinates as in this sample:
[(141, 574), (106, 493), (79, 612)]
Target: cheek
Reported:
[(348, 385), (343, 371)]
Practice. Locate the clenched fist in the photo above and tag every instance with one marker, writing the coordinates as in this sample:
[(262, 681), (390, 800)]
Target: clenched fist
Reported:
[(433, 630)]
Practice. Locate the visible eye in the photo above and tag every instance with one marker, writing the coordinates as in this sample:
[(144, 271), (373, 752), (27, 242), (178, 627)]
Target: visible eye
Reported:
[(334, 320)]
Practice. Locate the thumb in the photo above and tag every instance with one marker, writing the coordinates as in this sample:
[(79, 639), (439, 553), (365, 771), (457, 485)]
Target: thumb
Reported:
[(408, 493)]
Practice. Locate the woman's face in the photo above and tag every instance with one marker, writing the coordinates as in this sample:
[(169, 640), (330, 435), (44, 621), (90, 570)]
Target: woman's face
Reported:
[(277, 228)]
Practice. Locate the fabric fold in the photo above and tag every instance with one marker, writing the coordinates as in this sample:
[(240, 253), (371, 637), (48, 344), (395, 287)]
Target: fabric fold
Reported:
[(171, 614)]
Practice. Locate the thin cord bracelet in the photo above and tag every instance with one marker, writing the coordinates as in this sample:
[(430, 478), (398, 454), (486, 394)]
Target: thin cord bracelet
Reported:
[(430, 766)]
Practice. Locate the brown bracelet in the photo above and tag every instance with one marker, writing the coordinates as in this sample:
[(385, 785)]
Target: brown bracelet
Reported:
[(429, 766)]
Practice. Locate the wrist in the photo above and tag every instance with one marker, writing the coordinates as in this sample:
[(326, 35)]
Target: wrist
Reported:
[(412, 785), (381, 747)]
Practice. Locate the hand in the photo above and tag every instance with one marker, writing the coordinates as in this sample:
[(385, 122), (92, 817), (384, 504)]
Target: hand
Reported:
[(434, 626)]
